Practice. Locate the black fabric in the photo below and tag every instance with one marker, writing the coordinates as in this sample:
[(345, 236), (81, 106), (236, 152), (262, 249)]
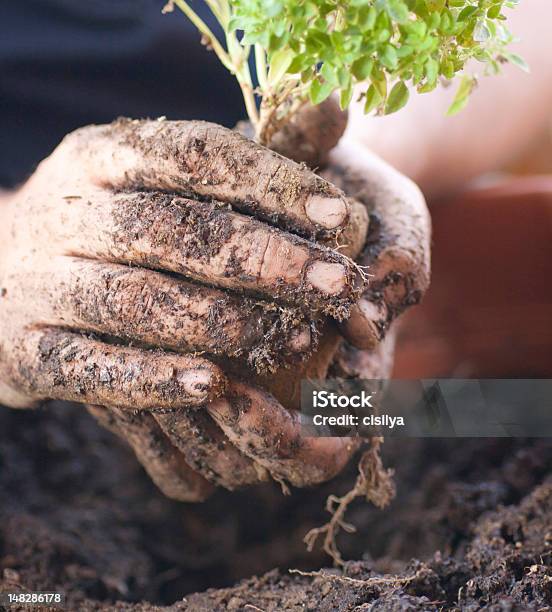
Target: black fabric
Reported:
[(67, 63)]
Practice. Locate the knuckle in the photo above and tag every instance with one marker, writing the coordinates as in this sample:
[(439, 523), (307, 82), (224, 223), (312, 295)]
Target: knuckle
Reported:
[(77, 143), (203, 151), (81, 136), (49, 363), (128, 295), (115, 295), (15, 372)]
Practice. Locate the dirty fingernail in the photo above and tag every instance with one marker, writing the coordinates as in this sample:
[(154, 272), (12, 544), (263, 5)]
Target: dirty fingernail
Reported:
[(221, 409), (372, 311), (364, 327), (330, 278), (196, 382), (330, 213), (300, 340)]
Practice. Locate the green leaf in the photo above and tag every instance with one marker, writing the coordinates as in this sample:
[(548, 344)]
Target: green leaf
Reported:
[(434, 21), (272, 8), (517, 60), (431, 70), (389, 57), (427, 87), (279, 64), (345, 97), (344, 77), (466, 13), (318, 91), (494, 11), (398, 97), (299, 63), (396, 9), (462, 95), (447, 69), (372, 99), (379, 81), (367, 17), (362, 68), (330, 74)]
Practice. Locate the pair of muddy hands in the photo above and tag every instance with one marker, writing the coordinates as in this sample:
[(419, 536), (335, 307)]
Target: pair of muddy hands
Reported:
[(165, 273)]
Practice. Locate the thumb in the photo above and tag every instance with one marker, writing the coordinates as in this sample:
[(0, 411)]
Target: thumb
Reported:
[(311, 133)]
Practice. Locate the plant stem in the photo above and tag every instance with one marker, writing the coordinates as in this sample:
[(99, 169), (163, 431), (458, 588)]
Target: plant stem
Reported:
[(278, 109), (250, 104), (240, 59), (219, 11), (206, 31), (235, 59), (261, 69)]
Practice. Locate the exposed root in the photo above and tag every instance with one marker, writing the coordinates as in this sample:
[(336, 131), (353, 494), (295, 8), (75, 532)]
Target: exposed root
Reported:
[(395, 581), (373, 482), (362, 270), (283, 484)]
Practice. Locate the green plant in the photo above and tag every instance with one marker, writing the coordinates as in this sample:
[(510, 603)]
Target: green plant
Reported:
[(380, 49)]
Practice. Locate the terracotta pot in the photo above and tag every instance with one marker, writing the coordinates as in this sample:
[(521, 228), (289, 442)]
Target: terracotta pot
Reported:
[(488, 312)]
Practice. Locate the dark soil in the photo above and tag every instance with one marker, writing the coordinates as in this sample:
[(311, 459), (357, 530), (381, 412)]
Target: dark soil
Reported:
[(78, 514)]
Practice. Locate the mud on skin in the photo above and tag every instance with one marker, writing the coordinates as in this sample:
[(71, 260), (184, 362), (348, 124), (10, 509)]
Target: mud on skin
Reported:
[(162, 461), (215, 247), (207, 450), (208, 155), (86, 370), (139, 305), (397, 248)]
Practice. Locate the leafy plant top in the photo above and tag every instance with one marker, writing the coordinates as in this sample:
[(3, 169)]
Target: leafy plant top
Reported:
[(376, 50)]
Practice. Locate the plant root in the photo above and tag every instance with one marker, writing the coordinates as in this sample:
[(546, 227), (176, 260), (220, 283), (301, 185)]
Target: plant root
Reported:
[(373, 482), (377, 581)]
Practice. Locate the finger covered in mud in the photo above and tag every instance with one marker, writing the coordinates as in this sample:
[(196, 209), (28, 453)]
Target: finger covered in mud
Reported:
[(150, 308), (377, 364), (271, 435), (397, 253), (352, 240), (51, 363), (368, 322), (207, 449), (213, 162), (165, 465), (210, 244)]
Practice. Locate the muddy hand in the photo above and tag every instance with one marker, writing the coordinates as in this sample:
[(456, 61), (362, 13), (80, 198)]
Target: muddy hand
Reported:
[(94, 244), (396, 257), (242, 439)]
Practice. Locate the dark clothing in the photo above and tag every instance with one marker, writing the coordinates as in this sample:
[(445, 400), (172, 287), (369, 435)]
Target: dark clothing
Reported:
[(67, 63)]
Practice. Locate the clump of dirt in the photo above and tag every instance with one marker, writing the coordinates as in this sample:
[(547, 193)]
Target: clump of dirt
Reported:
[(506, 566), (78, 514)]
